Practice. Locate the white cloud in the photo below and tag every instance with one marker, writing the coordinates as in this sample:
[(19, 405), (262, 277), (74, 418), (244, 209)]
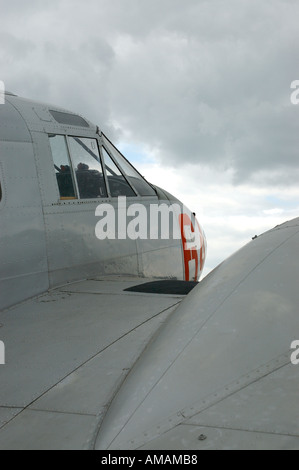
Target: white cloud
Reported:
[(231, 215), (202, 87)]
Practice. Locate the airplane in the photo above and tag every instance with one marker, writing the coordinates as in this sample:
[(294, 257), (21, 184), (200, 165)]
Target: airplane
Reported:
[(62, 277), (56, 169), (113, 344)]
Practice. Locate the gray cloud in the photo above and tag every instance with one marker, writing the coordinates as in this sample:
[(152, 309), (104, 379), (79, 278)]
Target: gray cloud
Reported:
[(204, 82)]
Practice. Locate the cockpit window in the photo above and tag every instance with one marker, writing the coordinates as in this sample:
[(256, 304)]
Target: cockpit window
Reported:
[(117, 182), (83, 171), (88, 168), (62, 167), (69, 119), (135, 179)]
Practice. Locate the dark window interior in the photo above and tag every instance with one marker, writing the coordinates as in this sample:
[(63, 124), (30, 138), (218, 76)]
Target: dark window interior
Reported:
[(62, 166), (88, 167), (69, 119)]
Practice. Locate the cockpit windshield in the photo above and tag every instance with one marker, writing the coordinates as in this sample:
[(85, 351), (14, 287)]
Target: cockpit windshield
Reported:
[(87, 170), (138, 182)]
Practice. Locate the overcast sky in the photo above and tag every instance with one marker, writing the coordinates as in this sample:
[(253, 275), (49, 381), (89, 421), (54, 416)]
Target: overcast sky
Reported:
[(195, 92)]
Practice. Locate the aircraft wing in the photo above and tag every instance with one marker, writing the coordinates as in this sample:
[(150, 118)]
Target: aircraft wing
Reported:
[(219, 373), (67, 353), (93, 366)]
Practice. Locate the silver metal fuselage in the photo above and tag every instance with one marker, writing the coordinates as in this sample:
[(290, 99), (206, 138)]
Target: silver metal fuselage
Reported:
[(46, 241)]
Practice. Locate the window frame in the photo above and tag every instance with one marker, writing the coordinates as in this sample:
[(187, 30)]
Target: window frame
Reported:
[(68, 119), (103, 137), (74, 180), (76, 136), (100, 146)]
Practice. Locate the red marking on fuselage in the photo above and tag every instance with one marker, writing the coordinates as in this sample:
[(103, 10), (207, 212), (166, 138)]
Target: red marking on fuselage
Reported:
[(190, 252), (194, 247)]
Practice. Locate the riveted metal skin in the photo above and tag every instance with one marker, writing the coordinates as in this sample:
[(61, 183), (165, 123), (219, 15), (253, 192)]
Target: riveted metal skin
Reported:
[(46, 241), (70, 331), (222, 363)]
